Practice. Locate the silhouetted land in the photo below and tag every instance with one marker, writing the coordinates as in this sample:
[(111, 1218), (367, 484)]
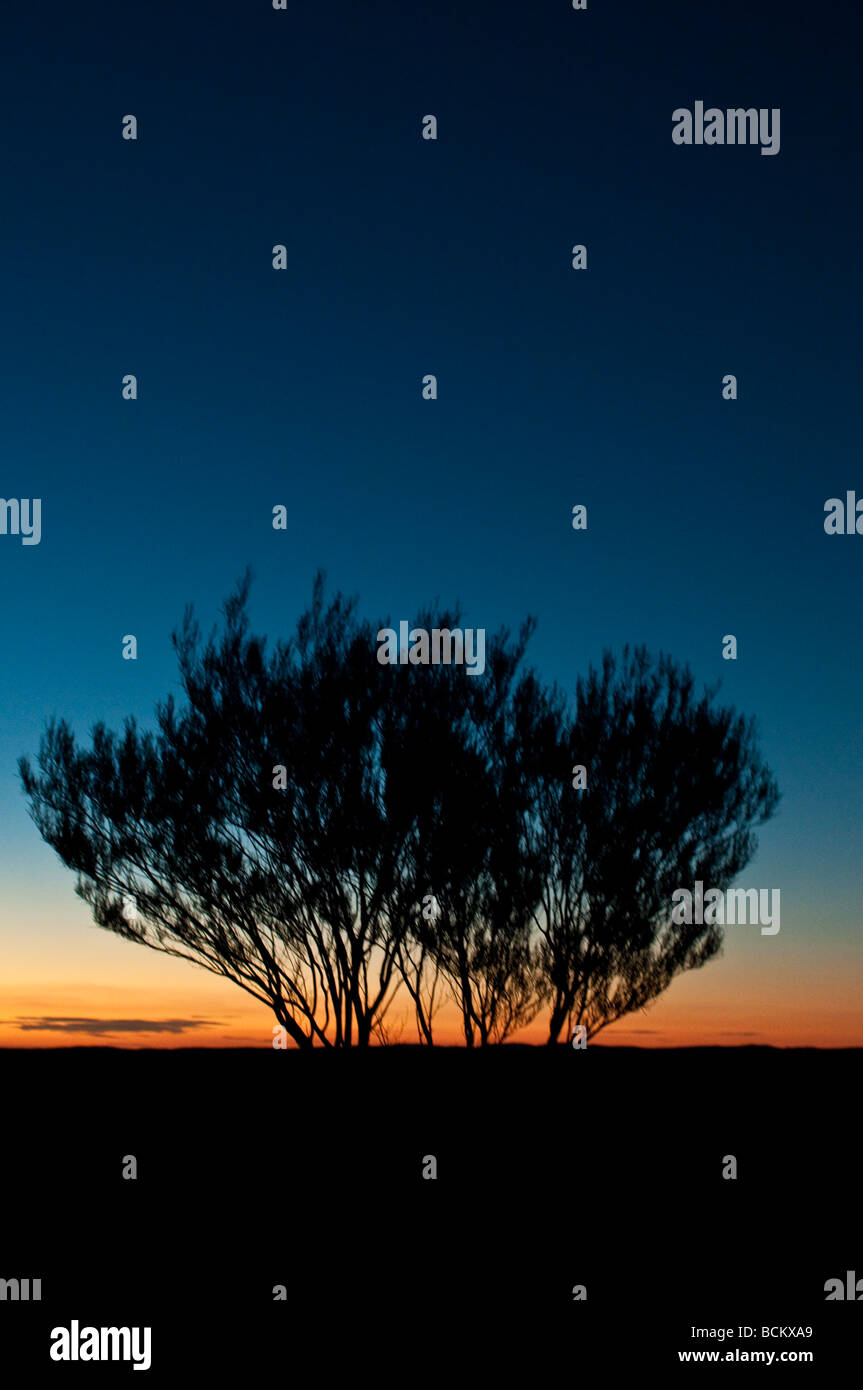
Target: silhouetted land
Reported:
[(555, 1168)]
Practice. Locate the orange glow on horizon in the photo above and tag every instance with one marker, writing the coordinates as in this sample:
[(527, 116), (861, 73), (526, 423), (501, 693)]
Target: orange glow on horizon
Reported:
[(779, 992), (666, 1025)]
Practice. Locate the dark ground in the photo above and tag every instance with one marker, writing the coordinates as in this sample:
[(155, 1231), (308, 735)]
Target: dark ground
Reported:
[(599, 1167)]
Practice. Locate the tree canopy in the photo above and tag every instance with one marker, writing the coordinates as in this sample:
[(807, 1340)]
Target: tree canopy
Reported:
[(285, 825)]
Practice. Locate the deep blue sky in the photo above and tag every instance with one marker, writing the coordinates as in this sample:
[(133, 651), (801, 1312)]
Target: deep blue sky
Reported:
[(302, 387)]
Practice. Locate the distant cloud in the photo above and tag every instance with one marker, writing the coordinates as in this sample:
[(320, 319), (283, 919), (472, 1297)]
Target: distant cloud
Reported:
[(731, 1033), (618, 1032), (105, 1026)]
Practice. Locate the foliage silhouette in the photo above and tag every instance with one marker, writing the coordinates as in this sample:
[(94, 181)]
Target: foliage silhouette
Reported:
[(675, 787), (401, 782)]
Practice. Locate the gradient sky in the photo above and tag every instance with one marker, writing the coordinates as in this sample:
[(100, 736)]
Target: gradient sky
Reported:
[(303, 388)]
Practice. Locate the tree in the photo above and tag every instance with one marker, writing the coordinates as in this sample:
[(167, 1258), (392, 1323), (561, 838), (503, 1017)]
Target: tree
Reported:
[(283, 828), (299, 895), (675, 787)]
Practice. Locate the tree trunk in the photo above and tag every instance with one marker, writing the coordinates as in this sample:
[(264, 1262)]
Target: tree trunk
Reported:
[(556, 1022)]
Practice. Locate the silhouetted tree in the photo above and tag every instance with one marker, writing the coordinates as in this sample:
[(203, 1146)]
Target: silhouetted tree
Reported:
[(675, 785), (300, 896), (306, 888)]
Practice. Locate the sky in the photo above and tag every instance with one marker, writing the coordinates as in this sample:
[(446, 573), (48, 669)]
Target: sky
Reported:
[(556, 387)]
